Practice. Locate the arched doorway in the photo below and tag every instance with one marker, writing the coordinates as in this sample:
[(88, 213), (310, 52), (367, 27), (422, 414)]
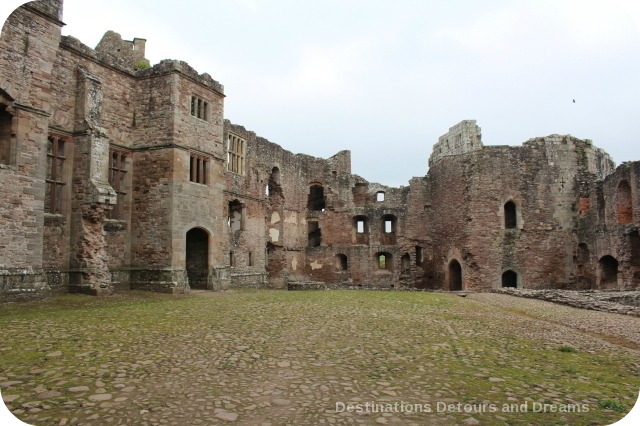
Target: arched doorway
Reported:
[(455, 276), (510, 279), (608, 272), (197, 258)]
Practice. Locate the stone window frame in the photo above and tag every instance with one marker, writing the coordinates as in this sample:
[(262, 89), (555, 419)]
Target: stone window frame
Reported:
[(509, 226), (236, 154), (199, 108), (119, 179), (392, 220), (388, 261), (198, 168), (380, 196), (7, 130), (58, 173)]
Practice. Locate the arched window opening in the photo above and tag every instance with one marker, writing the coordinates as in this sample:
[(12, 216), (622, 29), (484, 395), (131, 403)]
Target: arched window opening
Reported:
[(510, 279), (455, 276), (383, 261), (342, 263), (197, 258), (405, 264), (624, 204), (608, 266), (316, 201), (510, 215)]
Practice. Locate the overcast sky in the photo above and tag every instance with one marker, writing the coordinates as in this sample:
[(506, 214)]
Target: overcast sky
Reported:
[(385, 79)]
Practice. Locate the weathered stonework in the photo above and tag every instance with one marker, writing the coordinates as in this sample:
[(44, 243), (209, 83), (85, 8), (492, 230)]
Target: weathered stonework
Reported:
[(122, 175)]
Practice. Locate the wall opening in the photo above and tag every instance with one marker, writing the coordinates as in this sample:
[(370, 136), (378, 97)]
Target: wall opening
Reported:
[(383, 261), (624, 203), (6, 120), (314, 233), (342, 263), (316, 198), (608, 266), (380, 196), (56, 179), (510, 279), (634, 244), (197, 258), (455, 276), (273, 185), (389, 225), (419, 256), (510, 215), (405, 264), (362, 229), (234, 219)]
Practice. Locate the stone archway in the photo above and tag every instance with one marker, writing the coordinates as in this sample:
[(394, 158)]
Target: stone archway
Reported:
[(510, 279), (608, 272), (455, 276), (197, 258)]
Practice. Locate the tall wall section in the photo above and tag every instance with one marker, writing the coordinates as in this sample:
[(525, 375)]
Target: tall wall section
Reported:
[(28, 46)]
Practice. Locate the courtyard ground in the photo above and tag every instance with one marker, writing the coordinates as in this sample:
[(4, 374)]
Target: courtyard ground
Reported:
[(274, 358)]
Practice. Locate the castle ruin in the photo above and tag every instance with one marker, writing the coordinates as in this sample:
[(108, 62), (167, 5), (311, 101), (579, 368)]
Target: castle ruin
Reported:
[(115, 174)]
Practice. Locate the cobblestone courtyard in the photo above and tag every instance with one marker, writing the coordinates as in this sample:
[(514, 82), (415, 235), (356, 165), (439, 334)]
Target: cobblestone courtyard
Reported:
[(273, 358)]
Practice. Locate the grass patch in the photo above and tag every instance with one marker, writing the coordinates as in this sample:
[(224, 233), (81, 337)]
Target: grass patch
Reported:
[(567, 349)]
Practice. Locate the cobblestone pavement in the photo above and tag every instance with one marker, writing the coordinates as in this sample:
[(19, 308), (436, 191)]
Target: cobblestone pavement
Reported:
[(274, 358)]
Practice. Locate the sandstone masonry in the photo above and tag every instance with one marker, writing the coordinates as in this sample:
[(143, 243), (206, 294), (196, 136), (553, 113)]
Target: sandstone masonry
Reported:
[(118, 174)]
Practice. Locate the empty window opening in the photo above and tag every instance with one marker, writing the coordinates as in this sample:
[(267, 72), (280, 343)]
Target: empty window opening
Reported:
[(510, 215), (342, 263), (314, 234), (6, 120), (235, 216), (608, 272), (362, 229), (197, 258), (198, 169), (389, 224), (55, 174), (117, 180), (455, 276), (405, 264), (383, 261), (419, 256), (273, 185), (316, 198), (624, 204), (510, 279), (236, 152), (199, 108), (250, 259), (380, 196)]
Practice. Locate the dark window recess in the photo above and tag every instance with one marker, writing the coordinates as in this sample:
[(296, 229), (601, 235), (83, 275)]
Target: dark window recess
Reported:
[(316, 198), (510, 215), (405, 264), (315, 235), (419, 256), (6, 120), (342, 263)]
